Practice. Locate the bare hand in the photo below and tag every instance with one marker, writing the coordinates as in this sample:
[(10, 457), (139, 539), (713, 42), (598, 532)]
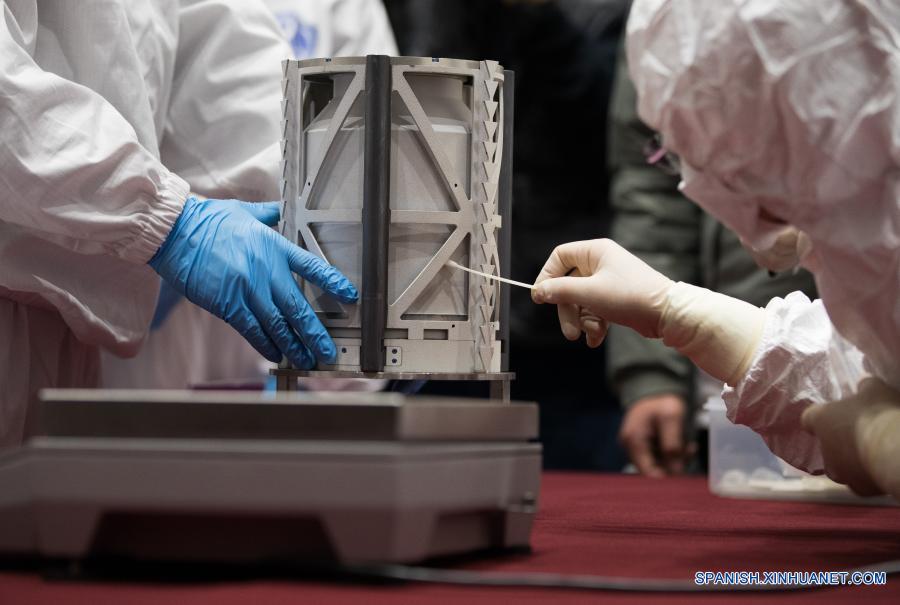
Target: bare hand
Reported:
[(653, 434)]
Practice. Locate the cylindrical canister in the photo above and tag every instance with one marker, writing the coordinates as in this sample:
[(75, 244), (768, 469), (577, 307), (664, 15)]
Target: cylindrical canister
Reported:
[(392, 167)]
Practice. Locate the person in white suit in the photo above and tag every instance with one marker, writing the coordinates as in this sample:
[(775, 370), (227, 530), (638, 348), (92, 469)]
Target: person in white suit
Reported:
[(187, 347), (126, 125), (785, 120)]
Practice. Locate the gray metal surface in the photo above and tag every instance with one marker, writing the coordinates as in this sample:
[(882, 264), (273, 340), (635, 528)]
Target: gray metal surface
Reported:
[(252, 500), (295, 416)]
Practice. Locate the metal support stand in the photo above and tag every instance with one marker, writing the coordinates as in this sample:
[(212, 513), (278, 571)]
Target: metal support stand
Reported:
[(284, 383), (286, 379), (500, 391)]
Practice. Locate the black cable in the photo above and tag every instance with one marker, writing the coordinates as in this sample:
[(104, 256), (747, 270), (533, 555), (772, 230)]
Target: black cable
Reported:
[(583, 582)]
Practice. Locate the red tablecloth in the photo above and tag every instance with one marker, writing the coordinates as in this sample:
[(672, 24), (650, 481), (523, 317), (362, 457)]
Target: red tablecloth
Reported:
[(596, 524)]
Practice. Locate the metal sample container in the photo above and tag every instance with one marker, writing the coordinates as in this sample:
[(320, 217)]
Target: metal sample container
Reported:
[(394, 166)]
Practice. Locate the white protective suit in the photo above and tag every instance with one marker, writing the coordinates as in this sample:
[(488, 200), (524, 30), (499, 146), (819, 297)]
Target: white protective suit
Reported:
[(789, 113), (111, 111), (193, 347), (335, 28)]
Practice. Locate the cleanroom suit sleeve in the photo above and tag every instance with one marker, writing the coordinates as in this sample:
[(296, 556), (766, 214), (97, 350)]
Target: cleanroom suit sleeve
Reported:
[(73, 171), (801, 360), (222, 130)]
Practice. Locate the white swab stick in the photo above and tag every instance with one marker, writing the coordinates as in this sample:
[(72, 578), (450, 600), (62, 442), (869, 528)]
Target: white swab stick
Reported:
[(513, 282)]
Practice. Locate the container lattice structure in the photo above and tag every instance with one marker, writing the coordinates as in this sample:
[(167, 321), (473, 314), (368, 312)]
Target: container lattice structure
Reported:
[(392, 167)]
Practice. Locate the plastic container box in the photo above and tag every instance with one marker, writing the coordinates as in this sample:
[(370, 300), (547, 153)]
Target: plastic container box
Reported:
[(741, 466)]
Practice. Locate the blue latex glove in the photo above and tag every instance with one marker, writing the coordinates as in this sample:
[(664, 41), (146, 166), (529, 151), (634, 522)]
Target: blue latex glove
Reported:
[(223, 257), (166, 302)]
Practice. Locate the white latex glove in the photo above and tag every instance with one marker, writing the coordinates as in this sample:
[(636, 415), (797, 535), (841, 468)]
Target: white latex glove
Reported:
[(597, 281), (653, 434), (860, 438)]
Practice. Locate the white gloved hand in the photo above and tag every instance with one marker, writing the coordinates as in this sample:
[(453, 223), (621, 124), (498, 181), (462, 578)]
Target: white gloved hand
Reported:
[(597, 281), (860, 438)]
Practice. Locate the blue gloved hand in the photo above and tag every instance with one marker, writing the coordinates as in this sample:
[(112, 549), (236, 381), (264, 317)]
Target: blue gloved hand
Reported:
[(223, 257)]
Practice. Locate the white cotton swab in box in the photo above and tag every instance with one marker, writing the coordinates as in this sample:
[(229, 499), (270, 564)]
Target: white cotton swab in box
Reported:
[(513, 282)]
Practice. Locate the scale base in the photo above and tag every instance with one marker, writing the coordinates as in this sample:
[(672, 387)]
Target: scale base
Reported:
[(401, 493)]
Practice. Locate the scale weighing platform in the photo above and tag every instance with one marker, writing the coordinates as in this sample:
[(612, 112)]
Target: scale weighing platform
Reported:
[(227, 476)]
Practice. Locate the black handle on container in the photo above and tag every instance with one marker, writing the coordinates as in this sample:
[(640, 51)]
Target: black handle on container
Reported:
[(376, 214)]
